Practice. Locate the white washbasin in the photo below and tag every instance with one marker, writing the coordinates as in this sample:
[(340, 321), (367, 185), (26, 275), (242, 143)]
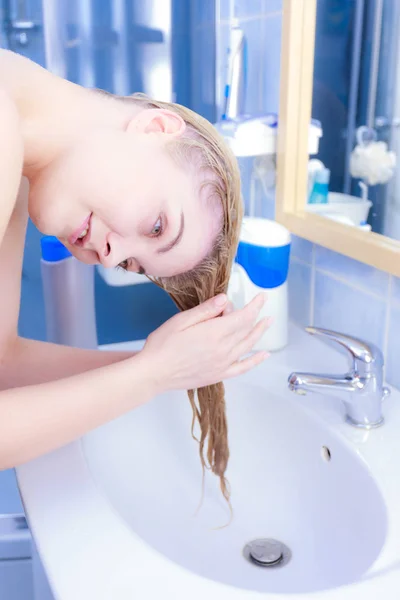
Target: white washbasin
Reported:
[(281, 488), (115, 516)]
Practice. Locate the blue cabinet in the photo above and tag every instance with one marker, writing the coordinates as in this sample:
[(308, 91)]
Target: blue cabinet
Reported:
[(16, 580)]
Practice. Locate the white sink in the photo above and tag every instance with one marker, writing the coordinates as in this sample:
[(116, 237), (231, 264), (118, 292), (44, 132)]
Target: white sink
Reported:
[(115, 518), (281, 488)]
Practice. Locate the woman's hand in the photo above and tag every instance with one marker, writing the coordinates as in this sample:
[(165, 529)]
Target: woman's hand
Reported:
[(204, 345), (193, 349)]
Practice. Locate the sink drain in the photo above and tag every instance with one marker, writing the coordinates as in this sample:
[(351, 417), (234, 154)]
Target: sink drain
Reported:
[(267, 553)]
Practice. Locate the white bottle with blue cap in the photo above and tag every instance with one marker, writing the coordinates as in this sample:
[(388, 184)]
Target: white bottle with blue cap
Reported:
[(261, 265), (68, 288)]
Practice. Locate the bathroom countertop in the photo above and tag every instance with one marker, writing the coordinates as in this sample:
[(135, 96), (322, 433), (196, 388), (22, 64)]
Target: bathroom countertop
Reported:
[(91, 554)]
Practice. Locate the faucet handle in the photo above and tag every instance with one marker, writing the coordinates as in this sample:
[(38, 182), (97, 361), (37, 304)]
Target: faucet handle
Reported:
[(366, 357)]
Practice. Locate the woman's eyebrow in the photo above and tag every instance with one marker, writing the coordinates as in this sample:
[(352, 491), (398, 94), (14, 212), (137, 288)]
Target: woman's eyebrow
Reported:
[(176, 240)]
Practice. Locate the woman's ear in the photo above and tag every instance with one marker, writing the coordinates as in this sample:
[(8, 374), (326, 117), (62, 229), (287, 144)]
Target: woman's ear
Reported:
[(157, 120)]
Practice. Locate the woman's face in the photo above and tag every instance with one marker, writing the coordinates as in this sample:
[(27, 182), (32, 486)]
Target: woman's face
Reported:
[(142, 210)]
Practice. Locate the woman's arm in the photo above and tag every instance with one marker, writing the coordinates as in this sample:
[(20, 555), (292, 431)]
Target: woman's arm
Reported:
[(39, 418), (191, 350), (28, 362)]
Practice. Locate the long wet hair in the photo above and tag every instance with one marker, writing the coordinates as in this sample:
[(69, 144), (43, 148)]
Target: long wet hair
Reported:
[(219, 180)]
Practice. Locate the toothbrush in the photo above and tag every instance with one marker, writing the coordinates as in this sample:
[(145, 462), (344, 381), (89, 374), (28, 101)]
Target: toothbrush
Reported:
[(236, 77)]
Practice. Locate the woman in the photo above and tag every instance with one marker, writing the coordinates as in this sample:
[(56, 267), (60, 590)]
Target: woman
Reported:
[(120, 181)]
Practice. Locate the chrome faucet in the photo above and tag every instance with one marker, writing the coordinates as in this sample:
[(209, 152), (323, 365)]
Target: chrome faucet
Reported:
[(361, 389)]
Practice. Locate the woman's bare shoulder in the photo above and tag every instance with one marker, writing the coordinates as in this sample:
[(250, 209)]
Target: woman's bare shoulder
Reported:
[(11, 159), (8, 110), (11, 142), (11, 256)]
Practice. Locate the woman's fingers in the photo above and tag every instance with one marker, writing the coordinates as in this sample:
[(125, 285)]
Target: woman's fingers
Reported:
[(240, 322), (229, 309), (203, 312), (250, 341), (242, 366)]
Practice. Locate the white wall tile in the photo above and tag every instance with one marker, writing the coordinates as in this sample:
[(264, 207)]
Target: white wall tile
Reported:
[(271, 37), (393, 352), (256, 63), (343, 308), (299, 282), (302, 249), (271, 6), (248, 8), (355, 273), (396, 290)]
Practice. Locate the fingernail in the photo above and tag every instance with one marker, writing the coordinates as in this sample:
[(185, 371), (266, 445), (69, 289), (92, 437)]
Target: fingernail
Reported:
[(220, 300)]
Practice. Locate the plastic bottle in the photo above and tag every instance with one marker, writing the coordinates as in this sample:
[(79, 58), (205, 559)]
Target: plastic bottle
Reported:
[(320, 190), (68, 287), (262, 264)]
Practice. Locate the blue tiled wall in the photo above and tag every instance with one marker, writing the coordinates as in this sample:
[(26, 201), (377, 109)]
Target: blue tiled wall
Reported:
[(329, 290), (203, 59)]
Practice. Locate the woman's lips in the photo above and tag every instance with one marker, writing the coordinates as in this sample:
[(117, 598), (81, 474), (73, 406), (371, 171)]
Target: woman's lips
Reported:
[(74, 237)]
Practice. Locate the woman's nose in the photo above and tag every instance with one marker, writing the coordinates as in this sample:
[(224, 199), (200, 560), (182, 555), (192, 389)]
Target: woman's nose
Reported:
[(105, 255), (114, 253), (110, 253)]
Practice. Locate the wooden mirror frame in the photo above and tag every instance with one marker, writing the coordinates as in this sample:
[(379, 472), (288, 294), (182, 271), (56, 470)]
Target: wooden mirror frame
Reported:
[(297, 69)]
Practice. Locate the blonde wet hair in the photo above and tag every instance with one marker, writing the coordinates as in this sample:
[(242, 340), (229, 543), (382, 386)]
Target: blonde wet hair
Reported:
[(219, 182)]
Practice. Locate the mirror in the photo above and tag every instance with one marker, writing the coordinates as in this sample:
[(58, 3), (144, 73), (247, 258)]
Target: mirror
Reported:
[(340, 65), (356, 97)]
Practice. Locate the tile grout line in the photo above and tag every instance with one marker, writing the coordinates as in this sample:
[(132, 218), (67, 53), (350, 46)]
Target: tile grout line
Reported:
[(249, 18), (312, 287), (336, 277), (350, 285), (298, 259), (263, 15), (387, 325)]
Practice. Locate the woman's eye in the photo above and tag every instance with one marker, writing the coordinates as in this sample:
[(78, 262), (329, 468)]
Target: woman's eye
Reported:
[(123, 265), (157, 229)]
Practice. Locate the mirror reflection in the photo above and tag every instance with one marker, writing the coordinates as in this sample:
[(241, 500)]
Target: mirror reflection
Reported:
[(354, 178)]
